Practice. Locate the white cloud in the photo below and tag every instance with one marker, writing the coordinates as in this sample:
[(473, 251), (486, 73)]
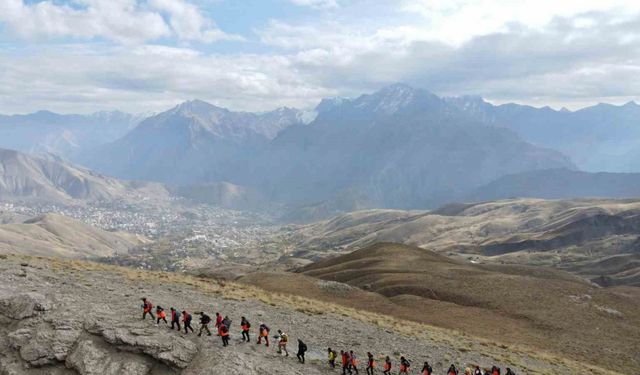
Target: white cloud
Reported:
[(122, 21), (318, 4)]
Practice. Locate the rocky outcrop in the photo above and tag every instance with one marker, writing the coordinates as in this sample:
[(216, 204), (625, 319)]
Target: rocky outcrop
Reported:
[(159, 344), (23, 306), (91, 357)]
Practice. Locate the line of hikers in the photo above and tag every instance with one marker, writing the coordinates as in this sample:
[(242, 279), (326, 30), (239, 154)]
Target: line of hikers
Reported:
[(349, 362)]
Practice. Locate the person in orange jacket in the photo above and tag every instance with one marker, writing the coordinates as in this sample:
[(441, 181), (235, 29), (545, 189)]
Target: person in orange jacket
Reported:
[(223, 331), (263, 333), (495, 370), (246, 326), (371, 363), (353, 361), (146, 308), (387, 366), (452, 370), (161, 315), (405, 365)]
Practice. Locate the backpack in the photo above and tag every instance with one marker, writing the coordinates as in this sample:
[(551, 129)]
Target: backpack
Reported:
[(303, 347)]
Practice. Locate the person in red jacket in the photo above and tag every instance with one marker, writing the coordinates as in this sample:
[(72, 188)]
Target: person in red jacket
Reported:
[(161, 315), (426, 369), (263, 333), (346, 362), (246, 326), (175, 319), (218, 320), (186, 322), (371, 363), (405, 365), (223, 332)]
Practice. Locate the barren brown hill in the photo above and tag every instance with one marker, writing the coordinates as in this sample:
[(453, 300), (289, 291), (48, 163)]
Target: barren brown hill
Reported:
[(546, 309), (585, 235), (57, 235)]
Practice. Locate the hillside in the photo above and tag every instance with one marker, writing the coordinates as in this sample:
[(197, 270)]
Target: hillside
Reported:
[(51, 180), (585, 235), (62, 328), (56, 235), (559, 184), (225, 195), (550, 310)]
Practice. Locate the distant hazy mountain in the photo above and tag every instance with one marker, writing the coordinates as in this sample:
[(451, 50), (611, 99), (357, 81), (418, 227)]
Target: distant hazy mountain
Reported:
[(225, 195), (27, 177), (192, 143), (399, 147), (560, 184), (66, 135), (599, 138)]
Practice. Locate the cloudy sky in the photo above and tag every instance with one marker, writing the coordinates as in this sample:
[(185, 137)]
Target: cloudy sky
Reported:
[(147, 55)]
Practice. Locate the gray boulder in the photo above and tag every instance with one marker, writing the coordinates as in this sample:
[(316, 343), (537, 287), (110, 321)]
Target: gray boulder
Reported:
[(174, 351), (44, 344), (24, 305), (93, 358)]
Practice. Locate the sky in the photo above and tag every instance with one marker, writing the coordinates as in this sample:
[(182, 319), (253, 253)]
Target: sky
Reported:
[(81, 56)]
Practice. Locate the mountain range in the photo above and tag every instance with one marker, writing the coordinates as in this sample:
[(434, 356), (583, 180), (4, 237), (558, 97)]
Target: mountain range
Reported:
[(399, 147)]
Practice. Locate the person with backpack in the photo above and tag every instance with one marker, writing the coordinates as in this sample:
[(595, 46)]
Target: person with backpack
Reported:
[(371, 363), (205, 320), (387, 366), (495, 370), (405, 365), (175, 319), (332, 357), (509, 372), (426, 369), (302, 348), (227, 322), (186, 322), (344, 356), (283, 339), (467, 371), (263, 333), (146, 309), (223, 331), (161, 315), (452, 370), (477, 371), (353, 361), (246, 326)]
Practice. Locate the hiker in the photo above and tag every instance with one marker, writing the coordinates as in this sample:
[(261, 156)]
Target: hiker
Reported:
[(345, 362), (223, 332), (263, 333), (218, 320), (161, 315), (387, 366), (426, 369), (353, 361), (226, 322), (487, 372), (245, 325), (477, 371), (186, 322), (509, 372), (495, 370), (371, 363), (452, 370), (405, 365), (282, 342), (467, 371), (146, 309), (204, 323), (332, 357), (302, 348), (175, 319)]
